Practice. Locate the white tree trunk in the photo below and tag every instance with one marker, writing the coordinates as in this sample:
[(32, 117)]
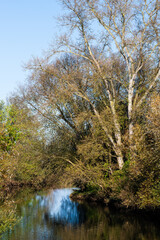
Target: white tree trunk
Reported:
[(119, 154), (116, 145), (130, 130), (120, 162), (130, 108)]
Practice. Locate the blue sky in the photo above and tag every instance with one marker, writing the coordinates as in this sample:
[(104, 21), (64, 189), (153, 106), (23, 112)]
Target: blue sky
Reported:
[(27, 27)]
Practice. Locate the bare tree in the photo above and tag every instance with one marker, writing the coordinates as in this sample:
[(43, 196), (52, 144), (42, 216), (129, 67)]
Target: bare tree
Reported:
[(113, 58), (127, 29)]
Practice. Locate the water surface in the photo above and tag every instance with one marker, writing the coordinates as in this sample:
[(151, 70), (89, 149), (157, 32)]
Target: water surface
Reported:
[(53, 216)]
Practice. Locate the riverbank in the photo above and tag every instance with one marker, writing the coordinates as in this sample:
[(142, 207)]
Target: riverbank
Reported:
[(10, 189), (94, 196)]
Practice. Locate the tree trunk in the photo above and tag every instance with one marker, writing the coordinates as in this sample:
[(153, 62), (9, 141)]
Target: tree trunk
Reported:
[(119, 157), (120, 162), (130, 109), (130, 131), (116, 145)]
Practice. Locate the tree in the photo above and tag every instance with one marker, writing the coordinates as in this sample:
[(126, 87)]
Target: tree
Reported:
[(113, 62), (130, 30), (21, 148)]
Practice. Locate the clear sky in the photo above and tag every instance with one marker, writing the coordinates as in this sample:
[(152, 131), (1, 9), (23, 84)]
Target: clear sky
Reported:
[(27, 27)]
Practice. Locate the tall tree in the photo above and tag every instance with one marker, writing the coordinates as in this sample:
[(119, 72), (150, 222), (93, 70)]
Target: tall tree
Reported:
[(129, 30), (112, 63)]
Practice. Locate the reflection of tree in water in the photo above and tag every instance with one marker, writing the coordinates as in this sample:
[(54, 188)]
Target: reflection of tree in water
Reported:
[(56, 217), (133, 226), (103, 224)]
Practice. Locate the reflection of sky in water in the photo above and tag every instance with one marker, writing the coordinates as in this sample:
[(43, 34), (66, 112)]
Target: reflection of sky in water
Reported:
[(59, 207), (55, 217), (43, 215)]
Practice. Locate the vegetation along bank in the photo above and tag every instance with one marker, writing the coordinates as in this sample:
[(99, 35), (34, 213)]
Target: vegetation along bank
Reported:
[(89, 114)]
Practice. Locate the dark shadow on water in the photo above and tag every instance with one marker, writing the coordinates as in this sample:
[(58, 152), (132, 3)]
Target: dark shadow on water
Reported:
[(53, 216)]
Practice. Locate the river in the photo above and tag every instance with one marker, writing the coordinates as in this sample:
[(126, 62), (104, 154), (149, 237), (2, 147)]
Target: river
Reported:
[(53, 216)]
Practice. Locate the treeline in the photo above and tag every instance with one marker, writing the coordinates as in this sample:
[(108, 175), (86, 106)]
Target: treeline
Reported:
[(22, 149), (95, 97)]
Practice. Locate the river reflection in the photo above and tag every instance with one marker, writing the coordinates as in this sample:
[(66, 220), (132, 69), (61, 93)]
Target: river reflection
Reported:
[(59, 208), (55, 217)]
